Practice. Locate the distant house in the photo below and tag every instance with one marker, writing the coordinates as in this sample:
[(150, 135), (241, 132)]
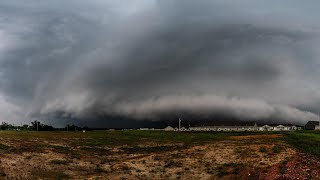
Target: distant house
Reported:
[(312, 125), (281, 127), (266, 128), (245, 126), (239, 126), (169, 128), (278, 127), (183, 129)]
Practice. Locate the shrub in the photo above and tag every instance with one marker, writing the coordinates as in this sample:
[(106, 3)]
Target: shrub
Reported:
[(276, 149), (263, 149), (98, 169), (2, 173), (4, 147), (157, 158), (172, 163), (59, 161)]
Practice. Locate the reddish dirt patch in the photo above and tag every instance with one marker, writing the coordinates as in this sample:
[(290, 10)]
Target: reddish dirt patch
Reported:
[(298, 167), (271, 136)]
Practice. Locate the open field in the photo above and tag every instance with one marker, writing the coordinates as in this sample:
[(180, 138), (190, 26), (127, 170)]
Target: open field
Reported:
[(159, 155)]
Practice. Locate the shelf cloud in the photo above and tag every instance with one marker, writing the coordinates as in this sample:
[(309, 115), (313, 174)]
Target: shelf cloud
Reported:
[(149, 59)]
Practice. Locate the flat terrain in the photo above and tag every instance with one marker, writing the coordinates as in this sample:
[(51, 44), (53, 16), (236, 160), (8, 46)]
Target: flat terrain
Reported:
[(159, 155)]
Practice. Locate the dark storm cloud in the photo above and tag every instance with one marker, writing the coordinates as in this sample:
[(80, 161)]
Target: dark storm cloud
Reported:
[(147, 59)]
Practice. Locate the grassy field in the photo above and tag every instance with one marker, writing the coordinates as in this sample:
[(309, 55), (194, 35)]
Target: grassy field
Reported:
[(121, 138), (153, 154), (306, 141)]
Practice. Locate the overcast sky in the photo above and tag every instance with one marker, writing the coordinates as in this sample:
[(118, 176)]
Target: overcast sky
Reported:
[(78, 59)]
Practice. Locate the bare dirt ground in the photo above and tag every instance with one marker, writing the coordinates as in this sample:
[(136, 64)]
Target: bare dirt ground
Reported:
[(264, 157)]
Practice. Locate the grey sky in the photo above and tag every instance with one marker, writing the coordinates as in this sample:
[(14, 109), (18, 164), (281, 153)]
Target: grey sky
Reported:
[(145, 58)]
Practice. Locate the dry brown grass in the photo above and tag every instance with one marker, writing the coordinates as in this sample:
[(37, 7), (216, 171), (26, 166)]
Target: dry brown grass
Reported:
[(236, 157)]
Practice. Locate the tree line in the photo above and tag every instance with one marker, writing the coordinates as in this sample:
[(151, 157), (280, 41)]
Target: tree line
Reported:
[(38, 126)]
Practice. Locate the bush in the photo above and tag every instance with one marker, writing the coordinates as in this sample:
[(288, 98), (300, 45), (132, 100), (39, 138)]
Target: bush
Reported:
[(59, 161), (276, 149), (263, 149)]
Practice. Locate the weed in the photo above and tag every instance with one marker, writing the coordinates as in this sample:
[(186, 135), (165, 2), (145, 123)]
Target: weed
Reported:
[(59, 161), (172, 163), (3, 147), (243, 153), (207, 164), (2, 173), (236, 170), (276, 149), (98, 169), (263, 149), (157, 158), (47, 174), (221, 172), (61, 175), (282, 169), (61, 149), (150, 149), (210, 170), (262, 163), (125, 167), (226, 169), (29, 157)]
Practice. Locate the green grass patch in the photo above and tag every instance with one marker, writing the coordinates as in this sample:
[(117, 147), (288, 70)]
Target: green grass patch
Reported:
[(149, 149), (100, 142), (136, 137), (47, 174), (306, 141)]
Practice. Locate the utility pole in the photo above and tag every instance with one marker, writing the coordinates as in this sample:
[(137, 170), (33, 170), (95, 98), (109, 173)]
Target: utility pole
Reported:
[(319, 121), (37, 125), (179, 124)]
